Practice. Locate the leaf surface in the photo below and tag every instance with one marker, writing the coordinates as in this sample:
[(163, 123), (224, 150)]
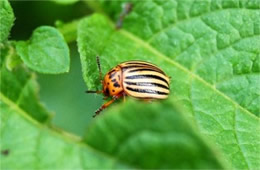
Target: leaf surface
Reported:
[(19, 86), (149, 136), (205, 53), (26, 144), (6, 19), (46, 51)]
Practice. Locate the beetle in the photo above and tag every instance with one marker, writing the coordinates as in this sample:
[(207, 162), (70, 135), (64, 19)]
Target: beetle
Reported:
[(138, 79)]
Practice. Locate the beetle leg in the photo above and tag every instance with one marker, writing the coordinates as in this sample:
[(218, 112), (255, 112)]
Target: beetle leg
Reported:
[(104, 106)]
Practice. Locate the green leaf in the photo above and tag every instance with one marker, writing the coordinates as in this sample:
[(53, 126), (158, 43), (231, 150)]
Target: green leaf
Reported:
[(20, 87), (149, 136), (182, 37), (26, 144), (6, 19), (45, 52)]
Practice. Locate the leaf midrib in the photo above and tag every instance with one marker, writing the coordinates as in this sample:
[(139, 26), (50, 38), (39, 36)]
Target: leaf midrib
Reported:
[(159, 54), (68, 137)]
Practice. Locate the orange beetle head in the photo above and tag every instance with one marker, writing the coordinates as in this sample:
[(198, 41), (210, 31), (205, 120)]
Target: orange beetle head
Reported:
[(112, 83)]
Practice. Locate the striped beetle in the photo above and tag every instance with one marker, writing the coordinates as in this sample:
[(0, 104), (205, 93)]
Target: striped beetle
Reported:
[(138, 79)]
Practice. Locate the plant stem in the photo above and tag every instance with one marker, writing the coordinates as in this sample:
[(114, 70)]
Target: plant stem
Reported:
[(69, 30)]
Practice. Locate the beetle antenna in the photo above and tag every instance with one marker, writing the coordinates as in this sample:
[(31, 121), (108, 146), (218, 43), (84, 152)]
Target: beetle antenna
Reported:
[(99, 69)]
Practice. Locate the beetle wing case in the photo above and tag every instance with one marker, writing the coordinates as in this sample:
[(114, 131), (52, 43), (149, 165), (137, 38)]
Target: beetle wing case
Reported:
[(144, 80)]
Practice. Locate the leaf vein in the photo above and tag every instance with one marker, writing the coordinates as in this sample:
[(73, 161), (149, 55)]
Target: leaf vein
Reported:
[(159, 54), (236, 138), (188, 19), (218, 51)]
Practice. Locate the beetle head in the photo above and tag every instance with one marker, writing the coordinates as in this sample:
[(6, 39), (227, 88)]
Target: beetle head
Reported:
[(112, 82)]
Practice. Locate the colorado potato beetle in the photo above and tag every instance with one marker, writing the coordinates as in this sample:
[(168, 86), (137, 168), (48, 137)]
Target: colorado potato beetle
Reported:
[(138, 79)]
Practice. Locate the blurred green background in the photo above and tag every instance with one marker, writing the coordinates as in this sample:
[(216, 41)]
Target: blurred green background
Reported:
[(63, 94)]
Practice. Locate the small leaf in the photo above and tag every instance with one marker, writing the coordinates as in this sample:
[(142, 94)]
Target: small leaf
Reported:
[(46, 51), (6, 19), (20, 87), (152, 136)]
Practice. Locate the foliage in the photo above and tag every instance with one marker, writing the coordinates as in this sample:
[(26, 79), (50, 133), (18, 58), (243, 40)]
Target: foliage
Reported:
[(6, 18), (210, 49), (46, 51)]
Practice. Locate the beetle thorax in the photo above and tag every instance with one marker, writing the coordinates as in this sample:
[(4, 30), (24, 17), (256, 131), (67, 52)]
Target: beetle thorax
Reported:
[(112, 84)]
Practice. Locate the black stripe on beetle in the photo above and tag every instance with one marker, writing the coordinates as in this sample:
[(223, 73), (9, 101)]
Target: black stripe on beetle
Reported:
[(139, 63), (125, 68), (144, 69), (147, 77), (150, 84), (149, 91)]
